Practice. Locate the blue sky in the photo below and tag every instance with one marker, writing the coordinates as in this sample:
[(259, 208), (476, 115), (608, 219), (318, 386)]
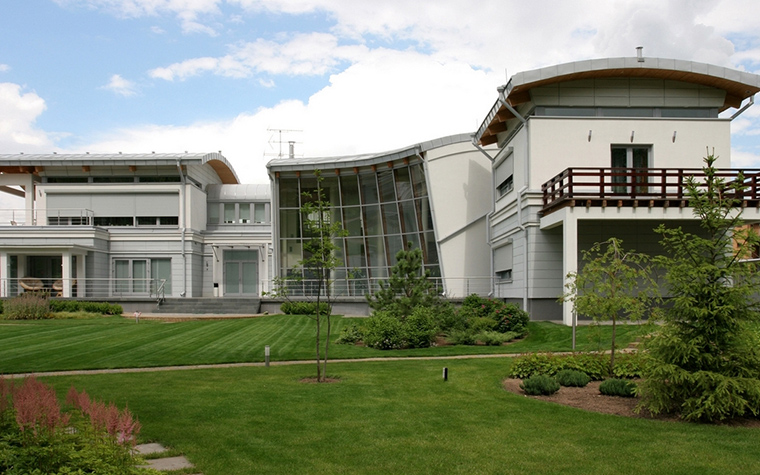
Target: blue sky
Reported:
[(351, 77)]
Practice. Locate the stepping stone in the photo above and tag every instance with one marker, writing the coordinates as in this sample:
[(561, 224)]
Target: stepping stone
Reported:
[(145, 449), (168, 463)]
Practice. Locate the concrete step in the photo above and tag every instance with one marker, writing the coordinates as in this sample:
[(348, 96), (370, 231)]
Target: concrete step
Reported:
[(210, 306)]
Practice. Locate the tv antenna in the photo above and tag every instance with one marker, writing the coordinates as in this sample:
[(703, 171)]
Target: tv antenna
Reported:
[(276, 137)]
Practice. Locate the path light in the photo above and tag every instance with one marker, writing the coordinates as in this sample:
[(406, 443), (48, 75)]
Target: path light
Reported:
[(266, 356), (445, 374)]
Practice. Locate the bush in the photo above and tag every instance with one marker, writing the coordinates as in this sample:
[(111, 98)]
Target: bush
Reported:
[(481, 324), (506, 317), (350, 335), (450, 319), (572, 378), (618, 387), (495, 338), (628, 366), (383, 332), (304, 308), (27, 306), (540, 385), (595, 365), (419, 328), (74, 306), (461, 337)]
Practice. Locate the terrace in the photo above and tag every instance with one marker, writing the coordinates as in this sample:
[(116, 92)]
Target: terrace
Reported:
[(638, 187)]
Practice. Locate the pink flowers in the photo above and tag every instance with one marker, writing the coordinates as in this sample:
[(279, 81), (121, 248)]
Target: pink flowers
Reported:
[(118, 424), (37, 407)]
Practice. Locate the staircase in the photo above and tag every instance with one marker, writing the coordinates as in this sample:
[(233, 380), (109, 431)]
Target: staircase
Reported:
[(211, 305)]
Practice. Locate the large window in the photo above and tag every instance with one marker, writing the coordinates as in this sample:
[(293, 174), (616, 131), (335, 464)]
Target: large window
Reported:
[(629, 165), (142, 276), (382, 211), (237, 213)]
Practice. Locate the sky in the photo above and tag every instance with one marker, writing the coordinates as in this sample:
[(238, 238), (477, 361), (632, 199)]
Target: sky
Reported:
[(336, 77)]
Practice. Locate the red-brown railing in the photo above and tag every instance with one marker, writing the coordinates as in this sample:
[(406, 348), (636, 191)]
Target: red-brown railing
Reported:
[(632, 184)]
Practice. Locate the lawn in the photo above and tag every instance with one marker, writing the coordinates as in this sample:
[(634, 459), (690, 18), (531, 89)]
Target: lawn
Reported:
[(401, 417), (115, 342)]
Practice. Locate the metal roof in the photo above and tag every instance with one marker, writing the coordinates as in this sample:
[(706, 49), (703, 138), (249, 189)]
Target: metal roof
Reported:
[(239, 192), (19, 162), (367, 159), (739, 85)]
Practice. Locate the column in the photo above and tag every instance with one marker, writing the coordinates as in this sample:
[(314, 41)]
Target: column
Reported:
[(81, 275), (5, 278), (569, 259), (66, 273)]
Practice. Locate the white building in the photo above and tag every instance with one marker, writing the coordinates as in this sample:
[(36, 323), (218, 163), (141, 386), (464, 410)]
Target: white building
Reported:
[(595, 149), (131, 226)]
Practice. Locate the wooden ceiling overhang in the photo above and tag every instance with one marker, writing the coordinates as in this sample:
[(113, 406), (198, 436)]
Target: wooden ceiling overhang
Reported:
[(496, 121)]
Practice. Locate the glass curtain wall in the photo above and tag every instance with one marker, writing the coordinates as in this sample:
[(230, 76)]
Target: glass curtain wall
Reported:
[(381, 210)]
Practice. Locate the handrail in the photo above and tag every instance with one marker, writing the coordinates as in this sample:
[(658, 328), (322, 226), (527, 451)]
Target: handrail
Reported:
[(664, 184), (160, 293)]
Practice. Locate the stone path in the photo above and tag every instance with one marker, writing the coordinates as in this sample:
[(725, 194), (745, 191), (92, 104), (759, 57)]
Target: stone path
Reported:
[(163, 464)]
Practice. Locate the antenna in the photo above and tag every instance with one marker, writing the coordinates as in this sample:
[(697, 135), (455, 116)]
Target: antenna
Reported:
[(276, 137)]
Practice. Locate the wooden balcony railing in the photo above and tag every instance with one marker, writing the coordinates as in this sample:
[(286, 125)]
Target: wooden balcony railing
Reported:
[(653, 187)]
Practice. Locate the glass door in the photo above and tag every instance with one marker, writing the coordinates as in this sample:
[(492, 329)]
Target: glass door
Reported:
[(241, 273), (629, 165)]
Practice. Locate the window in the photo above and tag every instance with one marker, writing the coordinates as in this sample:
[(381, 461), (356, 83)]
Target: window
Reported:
[(245, 213), (229, 213), (504, 275), (506, 186), (141, 276), (259, 213)]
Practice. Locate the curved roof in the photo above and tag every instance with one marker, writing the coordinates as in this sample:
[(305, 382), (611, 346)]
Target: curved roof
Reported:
[(738, 85), (367, 159), (239, 192), (20, 162)]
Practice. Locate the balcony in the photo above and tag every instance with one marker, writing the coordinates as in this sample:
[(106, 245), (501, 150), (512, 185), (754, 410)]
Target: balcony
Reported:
[(637, 187), (47, 217)]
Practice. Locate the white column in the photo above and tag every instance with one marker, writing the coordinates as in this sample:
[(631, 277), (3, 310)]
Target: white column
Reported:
[(81, 275), (569, 258), (66, 273), (5, 278), (29, 192)]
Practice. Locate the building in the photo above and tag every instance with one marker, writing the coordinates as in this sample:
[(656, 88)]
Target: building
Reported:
[(594, 149), (435, 195), (132, 226)]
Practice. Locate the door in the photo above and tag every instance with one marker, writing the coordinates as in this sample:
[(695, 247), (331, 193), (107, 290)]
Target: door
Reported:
[(241, 273), (629, 165)]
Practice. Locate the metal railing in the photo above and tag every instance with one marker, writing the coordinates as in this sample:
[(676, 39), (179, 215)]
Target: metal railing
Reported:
[(661, 186), (450, 287), (86, 288), (47, 217)]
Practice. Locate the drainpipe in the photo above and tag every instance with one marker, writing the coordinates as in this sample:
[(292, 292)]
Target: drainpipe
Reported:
[(183, 213), (523, 190), (746, 106)]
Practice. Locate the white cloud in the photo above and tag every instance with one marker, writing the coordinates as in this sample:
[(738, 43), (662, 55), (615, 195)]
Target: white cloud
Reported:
[(4, 68), (121, 86), (744, 159), (157, 30), (18, 112), (386, 100), (303, 54)]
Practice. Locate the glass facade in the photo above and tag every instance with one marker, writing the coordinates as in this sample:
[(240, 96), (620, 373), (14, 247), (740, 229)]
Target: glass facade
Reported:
[(381, 210)]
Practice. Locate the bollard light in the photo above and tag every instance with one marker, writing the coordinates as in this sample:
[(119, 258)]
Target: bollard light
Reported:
[(445, 374), (266, 356)]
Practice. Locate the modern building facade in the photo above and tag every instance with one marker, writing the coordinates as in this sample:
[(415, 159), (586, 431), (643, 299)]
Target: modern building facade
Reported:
[(435, 195), (133, 226), (595, 149)]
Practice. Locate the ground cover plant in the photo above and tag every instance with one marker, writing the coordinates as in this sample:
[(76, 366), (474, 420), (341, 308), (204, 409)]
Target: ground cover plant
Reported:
[(401, 417), (38, 435), (114, 342)]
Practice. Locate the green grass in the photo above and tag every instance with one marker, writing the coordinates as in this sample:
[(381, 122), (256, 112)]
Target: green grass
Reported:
[(400, 417), (115, 342)]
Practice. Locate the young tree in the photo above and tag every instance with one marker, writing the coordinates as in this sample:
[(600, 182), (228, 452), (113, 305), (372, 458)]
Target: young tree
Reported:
[(316, 269), (614, 283), (407, 287), (704, 362)]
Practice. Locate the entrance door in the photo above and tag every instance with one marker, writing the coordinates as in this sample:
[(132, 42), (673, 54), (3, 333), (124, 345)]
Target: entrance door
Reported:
[(241, 272), (626, 161)]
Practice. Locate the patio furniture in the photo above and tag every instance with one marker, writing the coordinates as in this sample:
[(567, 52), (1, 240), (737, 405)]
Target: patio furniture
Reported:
[(31, 284)]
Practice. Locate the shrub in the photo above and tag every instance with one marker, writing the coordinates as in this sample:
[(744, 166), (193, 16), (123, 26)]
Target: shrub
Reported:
[(461, 337), (540, 385), (74, 306), (595, 365), (304, 308), (618, 387), (481, 324), (495, 338), (383, 332), (419, 328), (506, 317), (572, 378), (27, 306), (628, 366), (350, 335), (450, 319)]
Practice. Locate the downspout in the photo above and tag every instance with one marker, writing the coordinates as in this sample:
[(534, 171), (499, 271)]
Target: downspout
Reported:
[(746, 106), (183, 213), (523, 190)]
